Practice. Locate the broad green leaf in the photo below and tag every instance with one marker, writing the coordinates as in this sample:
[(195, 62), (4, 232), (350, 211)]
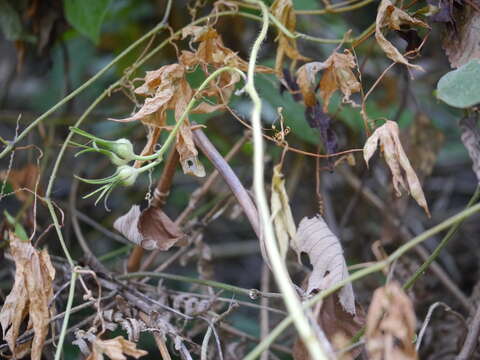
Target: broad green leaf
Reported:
[(86, 16), (461, 87)]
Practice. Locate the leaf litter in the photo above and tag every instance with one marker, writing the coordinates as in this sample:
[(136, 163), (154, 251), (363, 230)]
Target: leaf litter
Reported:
[(29, 298)]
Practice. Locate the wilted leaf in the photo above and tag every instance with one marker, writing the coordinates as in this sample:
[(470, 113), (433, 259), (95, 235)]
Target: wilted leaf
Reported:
[(155, 225), (161, 88), (317, 119), (284, 12), (29, 298), (151, 228), (326, 256), (211, 52), (281, 212), (338, 75), (115, 349), (306, 81), (471, 140), (462, 45), (391, 17), (461, 88), (388, 136), (86, 16), (25, 177), (391, 325)]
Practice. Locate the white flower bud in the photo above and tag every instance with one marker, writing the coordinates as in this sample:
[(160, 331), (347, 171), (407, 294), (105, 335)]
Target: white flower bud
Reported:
[(127, 175), (123, 148)]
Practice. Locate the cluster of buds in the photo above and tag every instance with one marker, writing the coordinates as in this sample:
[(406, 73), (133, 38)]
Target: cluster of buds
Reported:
[(120, 152)]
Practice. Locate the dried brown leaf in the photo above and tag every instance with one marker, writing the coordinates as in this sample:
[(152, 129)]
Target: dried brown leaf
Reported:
[(281, 212), (339, 75), (115, 349), (151, 228), (25, 177), (284, 12), (306, 81), (391, 17), (30, 297), (388, 136), (211, 52), (391, 325), (462, 45), (161, 88), (156, 226), (326, 256)]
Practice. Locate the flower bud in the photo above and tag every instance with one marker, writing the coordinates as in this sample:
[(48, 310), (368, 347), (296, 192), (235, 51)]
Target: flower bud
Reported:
[(127, 175), (123, 148)]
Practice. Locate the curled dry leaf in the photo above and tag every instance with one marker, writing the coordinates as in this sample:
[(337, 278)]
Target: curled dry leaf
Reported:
[(281, 212), (29, 298), (471, 140), (391, 325), (388, 136), (151, 228), (306, 81), (391, 17), (25, 177), (115, 349), (284, 12), (338, 75), (211, 52), (326, 256)]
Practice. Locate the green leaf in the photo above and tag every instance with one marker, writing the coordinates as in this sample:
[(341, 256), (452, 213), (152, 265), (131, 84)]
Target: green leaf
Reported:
[(10, 21), (86, 16), (461, 87)]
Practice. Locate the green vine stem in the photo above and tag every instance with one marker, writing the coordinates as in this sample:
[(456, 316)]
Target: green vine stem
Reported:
[(460, 217), (279, 269), (68, 309), (251, 293)]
